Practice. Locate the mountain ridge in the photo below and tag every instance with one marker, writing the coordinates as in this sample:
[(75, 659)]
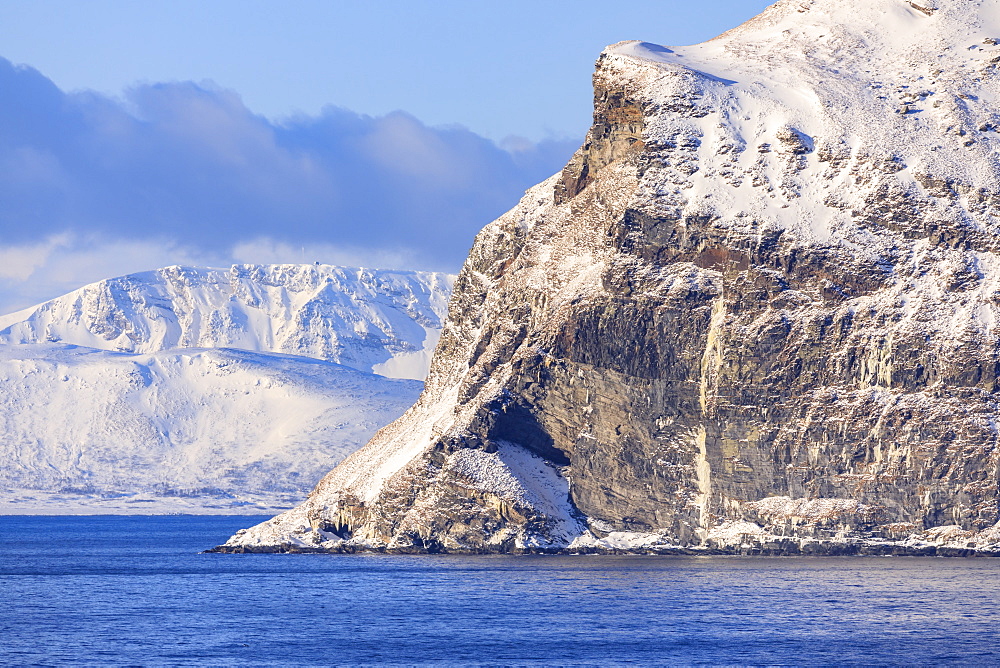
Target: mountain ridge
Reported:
[(372, 320)]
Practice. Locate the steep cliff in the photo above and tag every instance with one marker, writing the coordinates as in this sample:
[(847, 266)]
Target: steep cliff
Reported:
[(757, 310)]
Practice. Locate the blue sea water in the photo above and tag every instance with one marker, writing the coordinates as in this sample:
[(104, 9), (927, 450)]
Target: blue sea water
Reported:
[(117, 590)]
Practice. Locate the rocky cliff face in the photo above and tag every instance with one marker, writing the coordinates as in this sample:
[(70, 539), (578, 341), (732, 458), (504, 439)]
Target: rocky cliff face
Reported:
[(758, 308)]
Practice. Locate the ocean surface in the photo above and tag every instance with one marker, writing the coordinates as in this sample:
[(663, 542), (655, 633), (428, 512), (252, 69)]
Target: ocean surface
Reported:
[(113, 590)]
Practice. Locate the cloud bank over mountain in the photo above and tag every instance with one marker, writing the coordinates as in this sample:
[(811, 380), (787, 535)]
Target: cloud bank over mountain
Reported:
[(180, 172)]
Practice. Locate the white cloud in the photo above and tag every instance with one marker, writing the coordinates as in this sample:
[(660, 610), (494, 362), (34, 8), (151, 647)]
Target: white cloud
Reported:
[(179, 173), (19, 263), (269, 251), (33, 273), (30, 274)]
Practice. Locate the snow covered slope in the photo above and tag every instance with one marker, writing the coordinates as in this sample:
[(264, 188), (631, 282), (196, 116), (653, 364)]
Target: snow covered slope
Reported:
[(171, 390), (758, 308), (195, 430), (371, 320)]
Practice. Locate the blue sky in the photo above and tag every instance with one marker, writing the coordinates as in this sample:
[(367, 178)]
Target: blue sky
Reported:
[(135, 135)]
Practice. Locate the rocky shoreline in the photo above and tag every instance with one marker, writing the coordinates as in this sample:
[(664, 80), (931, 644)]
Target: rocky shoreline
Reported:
[(788, 548)]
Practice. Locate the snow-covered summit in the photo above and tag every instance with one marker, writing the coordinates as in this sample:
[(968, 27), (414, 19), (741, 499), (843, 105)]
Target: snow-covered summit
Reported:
[(865, 86), (385, 322), (874, 37)]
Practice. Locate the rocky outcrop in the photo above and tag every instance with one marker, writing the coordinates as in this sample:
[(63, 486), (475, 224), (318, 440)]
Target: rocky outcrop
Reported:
[(756, 312)]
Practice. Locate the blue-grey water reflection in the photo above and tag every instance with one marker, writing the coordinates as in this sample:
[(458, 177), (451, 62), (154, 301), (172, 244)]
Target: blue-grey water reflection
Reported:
[(136, 590)]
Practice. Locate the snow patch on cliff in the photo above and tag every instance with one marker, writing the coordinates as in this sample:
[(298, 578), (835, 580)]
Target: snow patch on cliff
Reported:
[(525, 479), (808, 510)]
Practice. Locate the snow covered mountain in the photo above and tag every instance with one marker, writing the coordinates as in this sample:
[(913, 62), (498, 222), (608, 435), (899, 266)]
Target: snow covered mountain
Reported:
[(170, 391), (756, 311), (386, 322), (180, 431)]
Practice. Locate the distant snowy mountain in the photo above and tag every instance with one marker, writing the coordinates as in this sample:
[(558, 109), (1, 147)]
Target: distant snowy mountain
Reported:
[(182, 430), (206, 390), (386, 322)]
